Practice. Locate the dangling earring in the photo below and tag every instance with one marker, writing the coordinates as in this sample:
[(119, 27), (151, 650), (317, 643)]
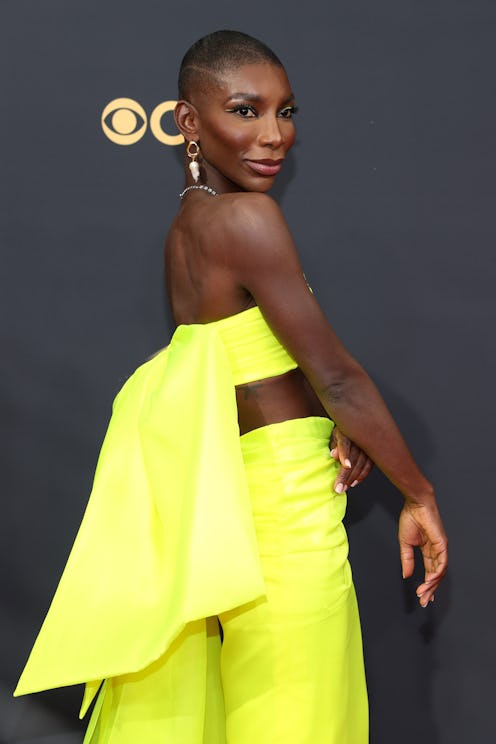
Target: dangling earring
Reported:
[(194, 166)]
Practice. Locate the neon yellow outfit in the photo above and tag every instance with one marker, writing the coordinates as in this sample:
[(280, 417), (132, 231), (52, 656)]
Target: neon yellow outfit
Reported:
[(188, 522)]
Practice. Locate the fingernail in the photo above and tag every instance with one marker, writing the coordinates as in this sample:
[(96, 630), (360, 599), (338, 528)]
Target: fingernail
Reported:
[(432, 598), (355, 483), (339, 488), (334, 453), (347, 463)]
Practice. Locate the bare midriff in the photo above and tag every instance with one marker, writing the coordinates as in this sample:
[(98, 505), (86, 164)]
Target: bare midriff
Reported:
[(276, 399)]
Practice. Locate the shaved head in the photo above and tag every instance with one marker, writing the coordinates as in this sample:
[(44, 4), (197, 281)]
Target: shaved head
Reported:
[(212, 56)]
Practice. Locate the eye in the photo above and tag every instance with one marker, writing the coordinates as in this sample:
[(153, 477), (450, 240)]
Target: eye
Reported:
[(246, 112), (288, 112)]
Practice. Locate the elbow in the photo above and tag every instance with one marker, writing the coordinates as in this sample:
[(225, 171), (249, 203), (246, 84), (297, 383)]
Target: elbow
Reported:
[(334, 392), (342, 388)]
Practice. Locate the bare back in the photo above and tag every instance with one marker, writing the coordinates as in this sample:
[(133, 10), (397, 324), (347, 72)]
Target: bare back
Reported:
[(202, 287)]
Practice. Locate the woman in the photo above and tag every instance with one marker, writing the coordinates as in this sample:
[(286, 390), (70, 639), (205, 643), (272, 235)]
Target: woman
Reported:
[(186, 529)]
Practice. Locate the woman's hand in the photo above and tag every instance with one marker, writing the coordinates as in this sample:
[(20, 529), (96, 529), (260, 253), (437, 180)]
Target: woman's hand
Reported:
[(355, 465), (420, 526)]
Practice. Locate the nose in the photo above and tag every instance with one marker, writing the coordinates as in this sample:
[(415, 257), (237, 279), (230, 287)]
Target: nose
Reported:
[(270, 134)]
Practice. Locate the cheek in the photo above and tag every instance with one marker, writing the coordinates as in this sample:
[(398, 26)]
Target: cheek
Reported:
[(235, 138), (227, 134), (289, 138)]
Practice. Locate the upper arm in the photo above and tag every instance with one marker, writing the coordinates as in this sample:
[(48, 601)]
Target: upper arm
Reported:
[(265, 262)]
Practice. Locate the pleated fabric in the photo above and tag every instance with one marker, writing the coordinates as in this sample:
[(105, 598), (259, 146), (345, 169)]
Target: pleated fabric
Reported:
[(290, 668), (177, 699), (169, 504), (292, 661), (185, 526)]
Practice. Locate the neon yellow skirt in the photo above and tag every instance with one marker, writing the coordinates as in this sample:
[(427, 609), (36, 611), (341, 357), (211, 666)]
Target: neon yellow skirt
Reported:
[(290, 668)]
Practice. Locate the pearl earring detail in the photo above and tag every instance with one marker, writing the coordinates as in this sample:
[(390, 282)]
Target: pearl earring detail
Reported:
[(194, 166)]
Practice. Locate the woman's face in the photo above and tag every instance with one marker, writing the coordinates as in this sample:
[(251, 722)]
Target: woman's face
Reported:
[(246, 127)]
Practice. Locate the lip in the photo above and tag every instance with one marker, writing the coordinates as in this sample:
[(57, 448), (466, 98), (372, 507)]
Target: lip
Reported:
[(265, 167)]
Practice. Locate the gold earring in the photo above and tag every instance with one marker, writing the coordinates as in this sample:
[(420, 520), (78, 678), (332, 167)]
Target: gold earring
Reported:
[(194, 166)]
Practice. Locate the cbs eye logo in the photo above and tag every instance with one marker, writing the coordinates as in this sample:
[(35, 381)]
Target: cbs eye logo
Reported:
[(124, 122)]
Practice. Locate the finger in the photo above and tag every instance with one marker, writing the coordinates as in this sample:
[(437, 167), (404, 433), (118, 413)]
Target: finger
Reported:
[(358, 459), (367, 467), (340, 484), (426, 592), (436, 563), (344, 445), (426, 598), (333, 442), (348, 476), (432, 579), (407, 559), (361, 468)]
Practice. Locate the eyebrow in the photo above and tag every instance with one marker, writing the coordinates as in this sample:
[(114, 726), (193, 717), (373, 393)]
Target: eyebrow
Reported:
[(255, 98)]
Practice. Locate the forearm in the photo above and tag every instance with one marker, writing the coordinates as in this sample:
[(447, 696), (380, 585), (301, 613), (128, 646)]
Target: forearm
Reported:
[(359, 411)]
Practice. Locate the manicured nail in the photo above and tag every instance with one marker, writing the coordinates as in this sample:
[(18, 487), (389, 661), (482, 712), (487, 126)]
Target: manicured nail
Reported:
[(339, 488), (347, 463), (355, 483)]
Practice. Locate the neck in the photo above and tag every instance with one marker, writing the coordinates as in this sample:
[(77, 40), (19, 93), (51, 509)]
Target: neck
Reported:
[(211, 177)]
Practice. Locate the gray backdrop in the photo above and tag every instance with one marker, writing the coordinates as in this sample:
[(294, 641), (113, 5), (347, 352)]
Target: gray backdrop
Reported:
[(390, 195)]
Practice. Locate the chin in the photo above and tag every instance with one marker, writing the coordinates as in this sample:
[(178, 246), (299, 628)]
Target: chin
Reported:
[(265, 187), (259, 185)]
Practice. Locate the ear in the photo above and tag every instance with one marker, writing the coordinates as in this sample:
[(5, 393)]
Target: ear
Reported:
[(187, 120)]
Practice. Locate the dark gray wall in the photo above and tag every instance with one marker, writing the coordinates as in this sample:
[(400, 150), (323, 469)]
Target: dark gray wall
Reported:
[(390, 195)]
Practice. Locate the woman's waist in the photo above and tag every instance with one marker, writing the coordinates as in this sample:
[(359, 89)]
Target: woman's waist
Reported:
[(295, 435), (275, 400), (290, 475)]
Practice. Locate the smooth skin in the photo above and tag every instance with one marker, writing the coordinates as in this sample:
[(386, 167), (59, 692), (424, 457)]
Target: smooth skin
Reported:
[(226, 253)]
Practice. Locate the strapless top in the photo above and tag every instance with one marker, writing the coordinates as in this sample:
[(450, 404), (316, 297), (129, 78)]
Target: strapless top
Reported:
[(252, 350)]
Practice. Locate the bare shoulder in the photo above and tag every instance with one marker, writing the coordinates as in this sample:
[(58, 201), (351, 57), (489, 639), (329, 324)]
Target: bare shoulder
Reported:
[(253, 225), (250, 208)]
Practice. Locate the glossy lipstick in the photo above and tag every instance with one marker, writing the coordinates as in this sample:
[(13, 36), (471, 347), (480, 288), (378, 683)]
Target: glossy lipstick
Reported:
[(266, 167)]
